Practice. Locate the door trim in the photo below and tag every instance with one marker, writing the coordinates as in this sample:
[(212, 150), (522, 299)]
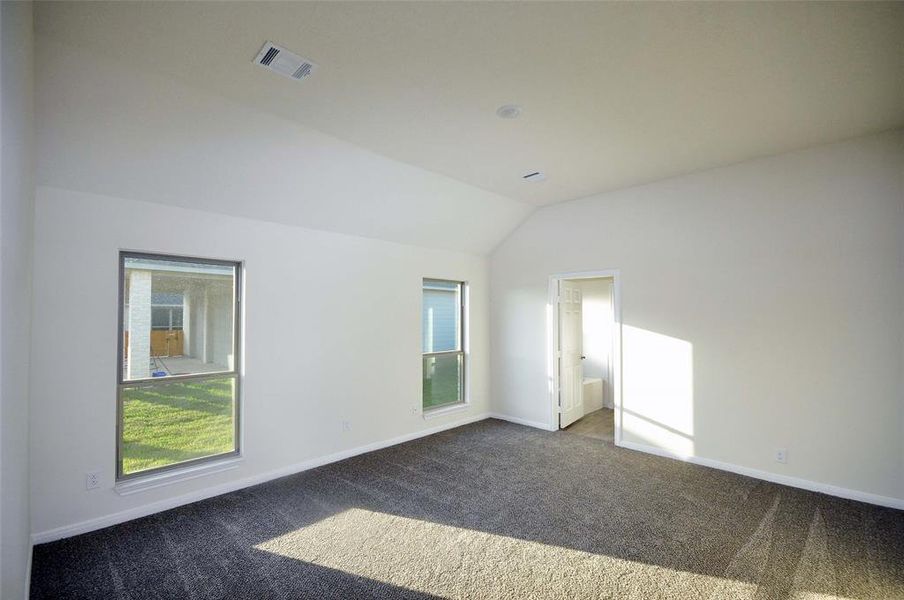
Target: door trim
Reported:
[(552, 350)]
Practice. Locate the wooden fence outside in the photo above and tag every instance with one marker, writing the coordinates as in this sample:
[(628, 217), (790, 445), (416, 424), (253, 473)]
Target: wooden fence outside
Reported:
[(163, 343)]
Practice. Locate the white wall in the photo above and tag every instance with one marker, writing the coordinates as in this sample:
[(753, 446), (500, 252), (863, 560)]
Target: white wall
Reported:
[(315, 303), (16, 211), (761, 305), (131, 158), (597, 325)]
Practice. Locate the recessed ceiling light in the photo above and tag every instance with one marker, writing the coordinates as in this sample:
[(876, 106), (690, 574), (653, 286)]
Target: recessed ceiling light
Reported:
[(508, 111), (534, 176)]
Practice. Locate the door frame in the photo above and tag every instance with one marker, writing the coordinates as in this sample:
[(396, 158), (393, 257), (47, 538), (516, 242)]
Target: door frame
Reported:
[(552, 324)]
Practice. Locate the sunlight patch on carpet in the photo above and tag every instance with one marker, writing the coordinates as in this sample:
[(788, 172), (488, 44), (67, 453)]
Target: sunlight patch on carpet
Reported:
[(454, 562)]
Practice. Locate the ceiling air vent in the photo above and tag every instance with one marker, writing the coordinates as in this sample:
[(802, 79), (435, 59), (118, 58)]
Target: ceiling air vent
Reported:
[(288, 64), (534, 176)]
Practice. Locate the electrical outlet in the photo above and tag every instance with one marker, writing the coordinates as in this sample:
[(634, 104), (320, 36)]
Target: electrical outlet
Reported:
[(346, 426), (781, 455), (92, 480), (415, 411)]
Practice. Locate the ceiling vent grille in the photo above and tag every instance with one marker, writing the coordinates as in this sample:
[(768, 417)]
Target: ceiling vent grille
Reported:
[(534, 176), (281, 61)]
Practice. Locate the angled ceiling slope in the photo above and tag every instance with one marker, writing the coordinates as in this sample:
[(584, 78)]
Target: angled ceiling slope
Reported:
[(614, 94), (108, 127)]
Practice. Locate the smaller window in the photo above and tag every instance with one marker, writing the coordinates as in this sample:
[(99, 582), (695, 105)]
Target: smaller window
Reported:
[(167, 318), (442, 343)]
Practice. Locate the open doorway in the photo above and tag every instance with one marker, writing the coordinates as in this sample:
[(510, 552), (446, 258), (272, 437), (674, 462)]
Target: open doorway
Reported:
[(585, 354)]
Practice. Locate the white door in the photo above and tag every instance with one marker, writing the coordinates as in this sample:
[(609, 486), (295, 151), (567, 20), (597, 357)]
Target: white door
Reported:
[(571, 370)]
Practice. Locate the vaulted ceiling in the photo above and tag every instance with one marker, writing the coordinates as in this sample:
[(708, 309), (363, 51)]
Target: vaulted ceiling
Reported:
[(613, 94)]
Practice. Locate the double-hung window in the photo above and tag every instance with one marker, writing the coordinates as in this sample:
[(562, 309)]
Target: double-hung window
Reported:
[(443, 330), (179, 357)]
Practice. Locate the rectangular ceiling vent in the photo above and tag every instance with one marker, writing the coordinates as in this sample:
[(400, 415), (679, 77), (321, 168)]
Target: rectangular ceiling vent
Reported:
[(288, 64)]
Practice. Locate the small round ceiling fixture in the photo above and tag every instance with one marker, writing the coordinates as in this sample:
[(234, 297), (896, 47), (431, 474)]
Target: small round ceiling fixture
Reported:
[(508, 111)]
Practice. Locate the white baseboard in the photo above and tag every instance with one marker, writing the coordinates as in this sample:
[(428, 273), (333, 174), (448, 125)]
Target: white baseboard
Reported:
[(154, 507), (162, 505), (797, 482), (537, 424)]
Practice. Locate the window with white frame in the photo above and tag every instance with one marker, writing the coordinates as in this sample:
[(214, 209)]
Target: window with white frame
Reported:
[(179, 356), (443, 326)]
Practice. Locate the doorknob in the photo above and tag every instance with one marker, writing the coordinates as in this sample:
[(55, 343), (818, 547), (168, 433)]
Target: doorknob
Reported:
[(583, 357)]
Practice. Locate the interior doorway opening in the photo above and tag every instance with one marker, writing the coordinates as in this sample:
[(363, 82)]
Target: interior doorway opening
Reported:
[(585, 354)]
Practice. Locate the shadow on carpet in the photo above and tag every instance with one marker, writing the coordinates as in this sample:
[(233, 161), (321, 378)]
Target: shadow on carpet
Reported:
[(493, 510)]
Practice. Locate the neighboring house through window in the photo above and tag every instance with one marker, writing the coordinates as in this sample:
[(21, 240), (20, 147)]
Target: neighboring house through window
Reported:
[(443, 343)]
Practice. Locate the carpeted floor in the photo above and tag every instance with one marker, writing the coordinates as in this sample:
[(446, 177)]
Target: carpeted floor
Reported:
[(600, 424), (493, 510)]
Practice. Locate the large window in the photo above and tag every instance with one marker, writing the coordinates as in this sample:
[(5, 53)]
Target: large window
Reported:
[(178, 372), (443, 343)]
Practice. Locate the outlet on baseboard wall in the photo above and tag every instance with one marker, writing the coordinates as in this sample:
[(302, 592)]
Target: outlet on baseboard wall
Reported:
[(92, 480), (781, 455)]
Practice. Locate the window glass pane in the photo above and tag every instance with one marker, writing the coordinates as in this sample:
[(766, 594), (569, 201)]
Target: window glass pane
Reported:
[(174, 421), (160, 317), (442, 380), (441, 316), (165, 298), (178, 318)]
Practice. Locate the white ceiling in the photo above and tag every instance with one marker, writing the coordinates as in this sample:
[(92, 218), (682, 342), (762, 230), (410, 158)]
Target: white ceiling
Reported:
[(106, 128), (614, 94)]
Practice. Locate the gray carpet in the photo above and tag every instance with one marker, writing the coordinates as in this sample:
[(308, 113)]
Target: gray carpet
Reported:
[(493, 510)]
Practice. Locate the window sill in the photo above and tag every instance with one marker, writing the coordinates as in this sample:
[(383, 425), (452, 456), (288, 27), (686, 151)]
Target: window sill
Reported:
[(141, 484), (445, 410)]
